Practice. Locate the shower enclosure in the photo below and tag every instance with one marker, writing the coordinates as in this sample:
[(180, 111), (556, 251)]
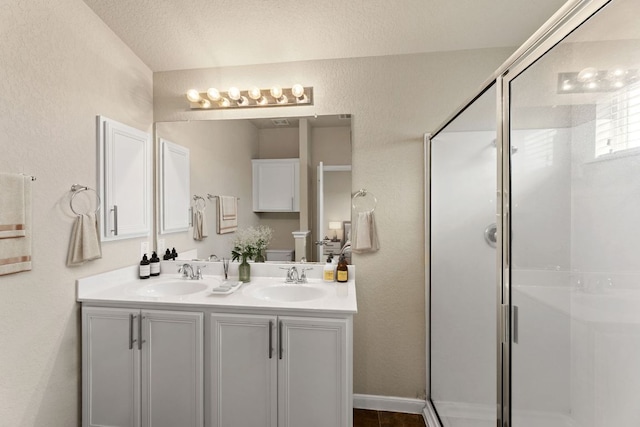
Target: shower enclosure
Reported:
[(534, 234)]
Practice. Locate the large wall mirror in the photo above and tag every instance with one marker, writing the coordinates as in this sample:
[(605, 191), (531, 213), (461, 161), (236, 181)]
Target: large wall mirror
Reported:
[(221, 154)]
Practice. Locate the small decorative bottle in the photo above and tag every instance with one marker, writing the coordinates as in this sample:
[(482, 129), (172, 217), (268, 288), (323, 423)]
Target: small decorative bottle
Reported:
[(154, 264), (342, 272), (145, 269)]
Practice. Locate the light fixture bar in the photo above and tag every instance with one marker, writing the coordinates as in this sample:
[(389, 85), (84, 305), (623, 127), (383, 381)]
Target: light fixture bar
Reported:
[(213, 99)]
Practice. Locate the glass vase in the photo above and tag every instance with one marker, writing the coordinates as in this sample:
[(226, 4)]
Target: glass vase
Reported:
[(260, 256), (244, 271)]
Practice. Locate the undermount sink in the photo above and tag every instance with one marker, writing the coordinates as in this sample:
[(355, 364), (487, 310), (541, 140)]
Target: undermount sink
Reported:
[(289, 293), (172, 288)]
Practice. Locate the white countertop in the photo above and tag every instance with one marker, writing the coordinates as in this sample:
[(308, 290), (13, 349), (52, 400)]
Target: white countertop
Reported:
[(123, 287)]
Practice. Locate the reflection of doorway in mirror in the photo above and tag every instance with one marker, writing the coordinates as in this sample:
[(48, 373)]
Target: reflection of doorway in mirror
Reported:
[(333, 205)]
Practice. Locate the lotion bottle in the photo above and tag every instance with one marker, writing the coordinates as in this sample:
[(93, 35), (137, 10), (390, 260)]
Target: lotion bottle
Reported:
[(145, 268), (342, 272), (328, 271), (154, 264)]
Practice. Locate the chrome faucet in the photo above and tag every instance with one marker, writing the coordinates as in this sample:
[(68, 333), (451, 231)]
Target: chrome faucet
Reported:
[(294, 277), (187, 272), (292, 274)]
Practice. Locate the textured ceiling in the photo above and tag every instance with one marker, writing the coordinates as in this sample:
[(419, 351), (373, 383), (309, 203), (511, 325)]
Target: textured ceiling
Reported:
[(185, 34)]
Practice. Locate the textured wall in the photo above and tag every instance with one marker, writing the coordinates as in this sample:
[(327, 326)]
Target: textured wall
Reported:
[(394, 100), (60, 67)]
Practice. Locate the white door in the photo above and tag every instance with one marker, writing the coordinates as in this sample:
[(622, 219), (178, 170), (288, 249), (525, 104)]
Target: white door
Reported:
[(172, 369), (110, 368), (313, 382), (243, 371), (320, 215)]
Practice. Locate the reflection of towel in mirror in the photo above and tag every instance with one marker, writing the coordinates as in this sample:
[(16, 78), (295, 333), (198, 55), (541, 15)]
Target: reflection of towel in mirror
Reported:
[(85, 240), (199, 224), (12, 205), (364, 237), (227, 214)]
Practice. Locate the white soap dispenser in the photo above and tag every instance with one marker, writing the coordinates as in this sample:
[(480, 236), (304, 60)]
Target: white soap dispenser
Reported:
[(328, 273)]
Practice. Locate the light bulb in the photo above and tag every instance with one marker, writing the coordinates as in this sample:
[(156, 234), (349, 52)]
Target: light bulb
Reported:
[(255, 93), (243, 101), (262, 101), (297, 90), (616, 73), (193, 95), (276, 92), (224, 102), (213, 94), (234, 93), (283, 99), (618, 84), (591, 85), (205, 103)]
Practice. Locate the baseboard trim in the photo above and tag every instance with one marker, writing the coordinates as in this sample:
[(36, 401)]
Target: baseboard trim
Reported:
[(388, 403), (429, 415)]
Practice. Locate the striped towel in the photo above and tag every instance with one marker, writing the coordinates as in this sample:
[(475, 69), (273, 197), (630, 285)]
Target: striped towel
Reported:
[(15, 251)]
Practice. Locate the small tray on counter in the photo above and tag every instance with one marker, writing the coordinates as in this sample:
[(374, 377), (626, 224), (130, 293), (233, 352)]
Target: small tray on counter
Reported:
[(227, 287)]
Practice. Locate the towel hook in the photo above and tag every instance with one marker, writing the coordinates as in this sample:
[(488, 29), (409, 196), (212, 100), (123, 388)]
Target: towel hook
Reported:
[(77, 189), (364, 201)]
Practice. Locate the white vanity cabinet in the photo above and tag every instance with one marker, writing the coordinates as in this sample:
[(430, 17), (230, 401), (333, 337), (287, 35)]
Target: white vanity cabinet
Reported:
[(276, 185), (142, 368), (284, 371)]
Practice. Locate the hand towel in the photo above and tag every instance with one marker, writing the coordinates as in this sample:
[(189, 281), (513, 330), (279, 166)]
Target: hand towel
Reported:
[(229, 207), (228, 204), (364, 236), (85, 240), (12, 205), (200, 230), (15, 253)]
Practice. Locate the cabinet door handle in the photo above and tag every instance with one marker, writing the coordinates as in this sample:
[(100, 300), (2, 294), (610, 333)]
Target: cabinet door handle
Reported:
[(270, 339), (280, 349), (132, 317), (115, 220), (292, 206), (140, 340), (190, 216)]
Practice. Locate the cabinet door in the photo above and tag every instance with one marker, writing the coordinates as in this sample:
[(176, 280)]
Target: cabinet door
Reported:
[(125, 180), (276, 185), (243, 371), (313, 379), (110, 368), (172, 374)]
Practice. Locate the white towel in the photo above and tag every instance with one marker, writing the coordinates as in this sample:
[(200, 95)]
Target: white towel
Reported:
[(15, 253), (364, 237), (200, 230), (85, 240), (227, 205), (12, 205)]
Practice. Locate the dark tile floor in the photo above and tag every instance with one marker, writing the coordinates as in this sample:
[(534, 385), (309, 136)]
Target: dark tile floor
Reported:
[(365, 418)]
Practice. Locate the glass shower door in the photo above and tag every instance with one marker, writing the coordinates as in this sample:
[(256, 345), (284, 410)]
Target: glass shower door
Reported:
[(574, 135), (463, 287)]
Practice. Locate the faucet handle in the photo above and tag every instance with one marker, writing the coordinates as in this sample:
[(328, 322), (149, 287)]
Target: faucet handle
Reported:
[(199, 271), (303, 275)]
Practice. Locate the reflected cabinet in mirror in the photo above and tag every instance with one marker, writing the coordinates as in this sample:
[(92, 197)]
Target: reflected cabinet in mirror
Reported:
[(221, 155)]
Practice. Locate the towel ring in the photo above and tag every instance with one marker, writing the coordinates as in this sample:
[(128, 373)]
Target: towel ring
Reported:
[(364, 201), (77, 189), (200, 199)]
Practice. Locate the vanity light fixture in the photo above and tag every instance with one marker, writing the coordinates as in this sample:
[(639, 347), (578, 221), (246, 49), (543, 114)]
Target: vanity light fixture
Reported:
[(276, 96), (591, 80)]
